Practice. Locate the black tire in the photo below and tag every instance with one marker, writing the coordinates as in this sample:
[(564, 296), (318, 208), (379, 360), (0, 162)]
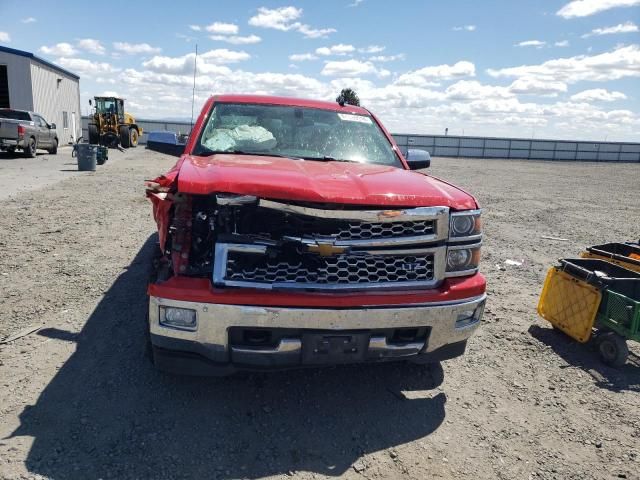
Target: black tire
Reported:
[(54, 148), (125, 139), (94, 135), (613, 349), (32, 146), (133, 137)]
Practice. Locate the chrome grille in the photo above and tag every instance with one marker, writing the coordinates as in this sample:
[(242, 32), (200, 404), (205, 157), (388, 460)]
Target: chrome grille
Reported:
[(348, 269), (365, 231), (420, 225), (290, 246)]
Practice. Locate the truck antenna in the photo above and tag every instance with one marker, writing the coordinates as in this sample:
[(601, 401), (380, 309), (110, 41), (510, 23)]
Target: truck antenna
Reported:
[(193, 96)]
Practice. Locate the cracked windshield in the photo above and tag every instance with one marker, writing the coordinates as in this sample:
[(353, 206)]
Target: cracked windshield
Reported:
[(303, 133)]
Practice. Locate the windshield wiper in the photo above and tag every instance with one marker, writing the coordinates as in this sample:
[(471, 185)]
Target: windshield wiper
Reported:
[(327, 158)]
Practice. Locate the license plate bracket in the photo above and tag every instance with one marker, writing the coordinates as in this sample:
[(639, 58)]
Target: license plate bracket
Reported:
[(332, 348)]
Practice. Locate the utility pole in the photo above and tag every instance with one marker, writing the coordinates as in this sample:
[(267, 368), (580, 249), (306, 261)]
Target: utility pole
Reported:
[(193, 95)]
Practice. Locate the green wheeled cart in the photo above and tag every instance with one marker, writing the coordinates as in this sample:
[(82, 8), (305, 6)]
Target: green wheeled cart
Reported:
[(618, 317)]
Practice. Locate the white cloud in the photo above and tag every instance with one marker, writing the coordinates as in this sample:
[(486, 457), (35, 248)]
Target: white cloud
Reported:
[(135, 48), (429, 76), (278, 18), (195, 28), (110, 93), (302, 57), (85, 67), (177, 65), (372, 49), (562, 43), (92, 46), (535, 86), (355, 3), (222, 55), (466, 90), (531, 43), (584, 8), (387, 58), (284, 19), (236, 39), (29, 20), (339, 49), (348, 68), (627, 27), (619, 63), (5, 37), (221, 28), (309, 32), (208, 62), (598, 94), (467, 28), (59, 49)]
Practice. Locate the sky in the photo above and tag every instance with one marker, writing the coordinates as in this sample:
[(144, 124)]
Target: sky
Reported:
[(566, 69)]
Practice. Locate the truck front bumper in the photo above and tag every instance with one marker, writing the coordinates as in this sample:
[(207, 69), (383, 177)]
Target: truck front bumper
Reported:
[(226, 338)]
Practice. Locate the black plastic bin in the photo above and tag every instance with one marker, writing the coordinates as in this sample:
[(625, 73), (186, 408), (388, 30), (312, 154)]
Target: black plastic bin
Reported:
[(604, 275), (618, 251), (624, 249)]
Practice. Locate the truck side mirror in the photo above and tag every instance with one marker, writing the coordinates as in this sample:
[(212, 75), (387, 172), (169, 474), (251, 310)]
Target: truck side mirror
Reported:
[(52, 126), (90, 102), (418, 159)]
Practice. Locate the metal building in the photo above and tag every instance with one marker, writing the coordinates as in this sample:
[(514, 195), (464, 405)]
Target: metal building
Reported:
[(30, 83)]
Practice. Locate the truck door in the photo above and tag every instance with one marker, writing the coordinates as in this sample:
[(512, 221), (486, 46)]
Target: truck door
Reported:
[(44, 134)]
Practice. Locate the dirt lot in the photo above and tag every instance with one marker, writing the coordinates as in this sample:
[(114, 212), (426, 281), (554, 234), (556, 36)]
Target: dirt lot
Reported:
[(78, 399)]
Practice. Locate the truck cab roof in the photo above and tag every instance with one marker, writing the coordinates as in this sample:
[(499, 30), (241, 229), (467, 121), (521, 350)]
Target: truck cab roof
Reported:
[(288, 101)]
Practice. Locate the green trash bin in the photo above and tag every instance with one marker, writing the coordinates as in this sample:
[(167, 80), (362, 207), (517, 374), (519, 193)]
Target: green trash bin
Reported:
[(86, 154), (102, 155)]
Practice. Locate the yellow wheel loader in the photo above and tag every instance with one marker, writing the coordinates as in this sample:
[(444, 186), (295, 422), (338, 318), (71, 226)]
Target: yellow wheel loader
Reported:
[(110, 125)]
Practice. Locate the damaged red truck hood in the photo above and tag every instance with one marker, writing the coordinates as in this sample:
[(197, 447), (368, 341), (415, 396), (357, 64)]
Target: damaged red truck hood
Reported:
[(316, 181)]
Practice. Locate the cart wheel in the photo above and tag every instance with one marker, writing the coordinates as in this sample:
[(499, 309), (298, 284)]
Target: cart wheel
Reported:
[(613, 349)]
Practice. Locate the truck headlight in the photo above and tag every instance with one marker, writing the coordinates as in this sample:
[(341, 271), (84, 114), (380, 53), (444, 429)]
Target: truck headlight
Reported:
[(465, 224), (179, 318), (462, 259)]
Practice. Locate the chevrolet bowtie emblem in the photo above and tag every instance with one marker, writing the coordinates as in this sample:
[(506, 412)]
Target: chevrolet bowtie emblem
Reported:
[(326, 249), (390, 213)]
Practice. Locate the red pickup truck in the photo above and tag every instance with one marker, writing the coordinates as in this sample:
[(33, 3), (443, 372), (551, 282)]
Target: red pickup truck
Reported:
[(294, 233)]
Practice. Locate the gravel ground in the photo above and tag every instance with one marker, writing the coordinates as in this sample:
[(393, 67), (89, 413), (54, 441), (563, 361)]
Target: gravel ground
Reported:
[(80, 401), (19, 174)]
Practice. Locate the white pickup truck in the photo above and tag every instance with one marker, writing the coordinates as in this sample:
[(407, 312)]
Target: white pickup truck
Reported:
[(27, 131)]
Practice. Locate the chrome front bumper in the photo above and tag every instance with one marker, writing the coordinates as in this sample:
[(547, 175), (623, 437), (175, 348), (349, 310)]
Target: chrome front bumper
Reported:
[(447, 323)]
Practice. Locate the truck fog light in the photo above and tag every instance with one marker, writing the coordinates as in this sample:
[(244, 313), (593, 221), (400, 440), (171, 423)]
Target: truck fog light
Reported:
[(470, 317), (178, 318)]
